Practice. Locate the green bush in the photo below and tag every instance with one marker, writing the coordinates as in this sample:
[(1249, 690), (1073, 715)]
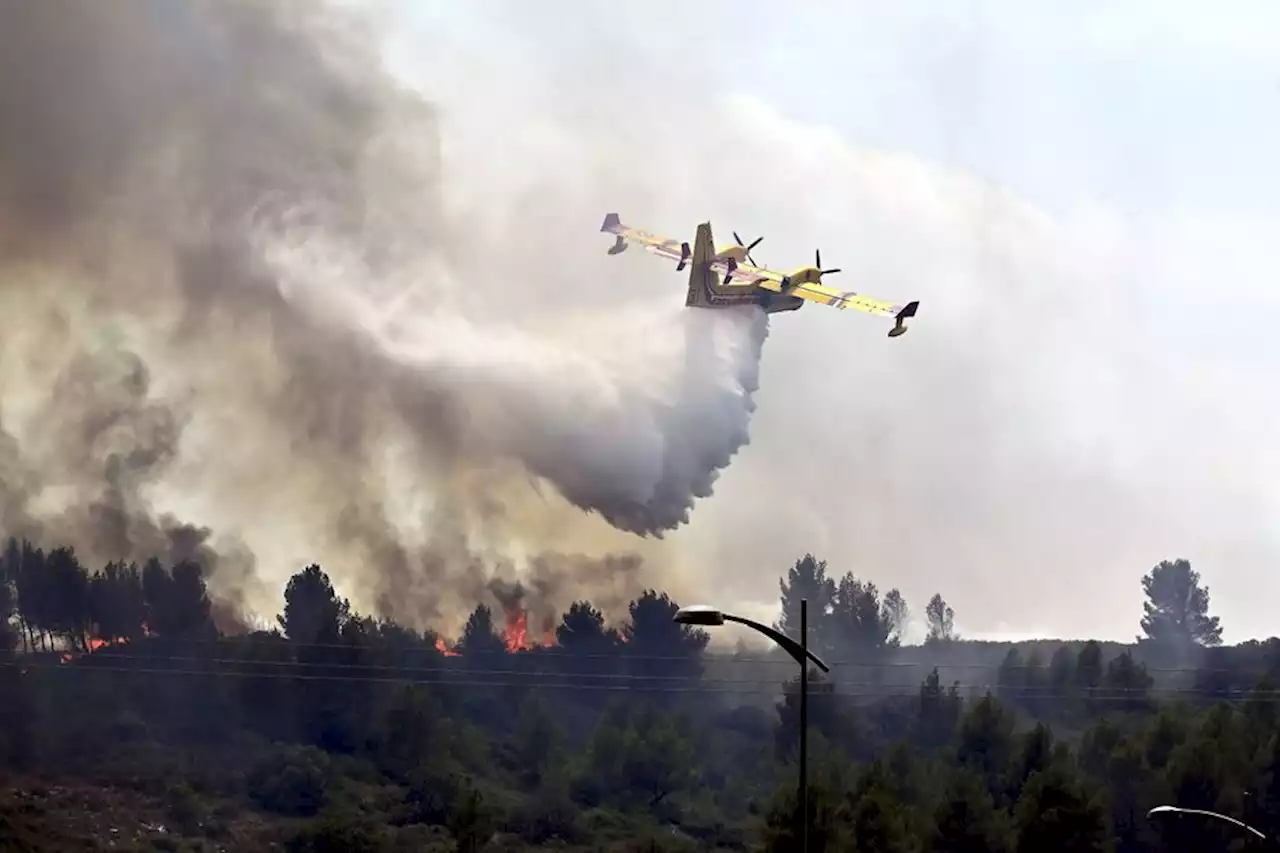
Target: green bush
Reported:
[(547, 816), (339, 834), (184, 809), (291, 781), (433, 795)]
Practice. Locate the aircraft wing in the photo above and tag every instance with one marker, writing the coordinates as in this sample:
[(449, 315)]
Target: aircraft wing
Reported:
[(824, 295), (768, 279), (662, 246)]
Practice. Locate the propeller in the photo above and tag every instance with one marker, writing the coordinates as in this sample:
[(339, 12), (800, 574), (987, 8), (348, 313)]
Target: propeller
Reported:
[(817, 262), (754, 243)]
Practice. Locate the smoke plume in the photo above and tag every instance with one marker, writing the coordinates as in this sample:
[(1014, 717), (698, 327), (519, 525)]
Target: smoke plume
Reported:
[(236, 324)]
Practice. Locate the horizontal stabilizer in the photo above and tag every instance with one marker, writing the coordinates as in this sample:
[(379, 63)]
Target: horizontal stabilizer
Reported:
[(611, 222)]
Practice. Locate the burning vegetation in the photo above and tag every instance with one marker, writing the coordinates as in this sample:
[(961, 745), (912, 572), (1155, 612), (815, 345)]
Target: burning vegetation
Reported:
[(92, 644), (514, 633), (96, 642)]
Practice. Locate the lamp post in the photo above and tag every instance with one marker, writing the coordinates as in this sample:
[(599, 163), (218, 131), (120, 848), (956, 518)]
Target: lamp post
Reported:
[(1160, 811), (700, 614)]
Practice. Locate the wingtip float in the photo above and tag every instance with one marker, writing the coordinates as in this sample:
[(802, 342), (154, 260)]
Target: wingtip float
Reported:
[(729, 276)]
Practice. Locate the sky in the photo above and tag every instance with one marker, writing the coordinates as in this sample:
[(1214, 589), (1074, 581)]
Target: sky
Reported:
[(1082, 195)]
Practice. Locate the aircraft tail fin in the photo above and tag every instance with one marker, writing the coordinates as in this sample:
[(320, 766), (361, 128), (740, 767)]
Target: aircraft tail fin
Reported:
[(704, 250), (899, 320), (700, 272), (611, 223)]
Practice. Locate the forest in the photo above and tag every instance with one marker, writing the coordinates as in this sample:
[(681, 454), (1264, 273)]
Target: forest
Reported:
[(131, 721)]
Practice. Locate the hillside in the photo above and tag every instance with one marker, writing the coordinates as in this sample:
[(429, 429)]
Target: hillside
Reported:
[(130, 723)]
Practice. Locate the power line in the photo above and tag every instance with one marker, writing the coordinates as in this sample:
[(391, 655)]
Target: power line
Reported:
[(869, 690), (464, 662)]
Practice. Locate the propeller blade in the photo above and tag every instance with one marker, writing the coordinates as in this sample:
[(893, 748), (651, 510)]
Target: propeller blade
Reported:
[(751, 260), (739, 239), (829, 272), (817, 258), (754, 243)]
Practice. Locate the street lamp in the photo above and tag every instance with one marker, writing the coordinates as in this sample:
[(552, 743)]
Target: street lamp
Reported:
[(1160, 811), (700, 614)]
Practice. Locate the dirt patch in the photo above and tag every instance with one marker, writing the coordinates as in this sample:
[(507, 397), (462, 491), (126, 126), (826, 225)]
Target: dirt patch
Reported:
[(39, 817)]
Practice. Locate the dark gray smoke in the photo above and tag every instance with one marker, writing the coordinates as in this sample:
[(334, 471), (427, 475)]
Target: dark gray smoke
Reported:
[(228, 329)]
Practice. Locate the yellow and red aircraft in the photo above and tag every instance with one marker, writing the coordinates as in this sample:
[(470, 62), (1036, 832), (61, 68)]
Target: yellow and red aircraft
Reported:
[(729, 276)]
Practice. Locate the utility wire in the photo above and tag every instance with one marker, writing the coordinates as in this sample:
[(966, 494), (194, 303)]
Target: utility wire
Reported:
[(862, 689), (466, 663)]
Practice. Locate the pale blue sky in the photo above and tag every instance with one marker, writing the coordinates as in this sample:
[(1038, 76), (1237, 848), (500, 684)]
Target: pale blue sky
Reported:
[(1032, 171), (1146, 105)]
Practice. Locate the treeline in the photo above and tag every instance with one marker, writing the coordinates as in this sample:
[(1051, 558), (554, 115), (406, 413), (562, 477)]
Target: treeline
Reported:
[(848, 616), (54, 597), (50, 602), (382, 738)]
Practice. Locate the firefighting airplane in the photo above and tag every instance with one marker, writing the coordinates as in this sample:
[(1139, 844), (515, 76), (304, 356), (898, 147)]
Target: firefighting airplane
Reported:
[(720, 279)]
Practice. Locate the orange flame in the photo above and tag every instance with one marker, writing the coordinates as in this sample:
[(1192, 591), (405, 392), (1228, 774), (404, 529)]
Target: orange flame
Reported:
[(516, 635), (94, 644)]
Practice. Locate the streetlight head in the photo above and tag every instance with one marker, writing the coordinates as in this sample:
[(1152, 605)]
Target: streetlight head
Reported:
[(699, 614), (1166, 810)]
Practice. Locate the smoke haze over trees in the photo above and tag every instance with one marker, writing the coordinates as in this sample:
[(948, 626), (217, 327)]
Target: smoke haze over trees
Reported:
[(228, 329)]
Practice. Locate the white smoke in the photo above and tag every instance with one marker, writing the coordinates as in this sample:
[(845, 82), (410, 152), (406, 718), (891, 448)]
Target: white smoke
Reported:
[(634, 424)]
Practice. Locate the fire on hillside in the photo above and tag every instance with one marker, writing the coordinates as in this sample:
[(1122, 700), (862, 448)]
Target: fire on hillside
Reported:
[(515, 634)]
